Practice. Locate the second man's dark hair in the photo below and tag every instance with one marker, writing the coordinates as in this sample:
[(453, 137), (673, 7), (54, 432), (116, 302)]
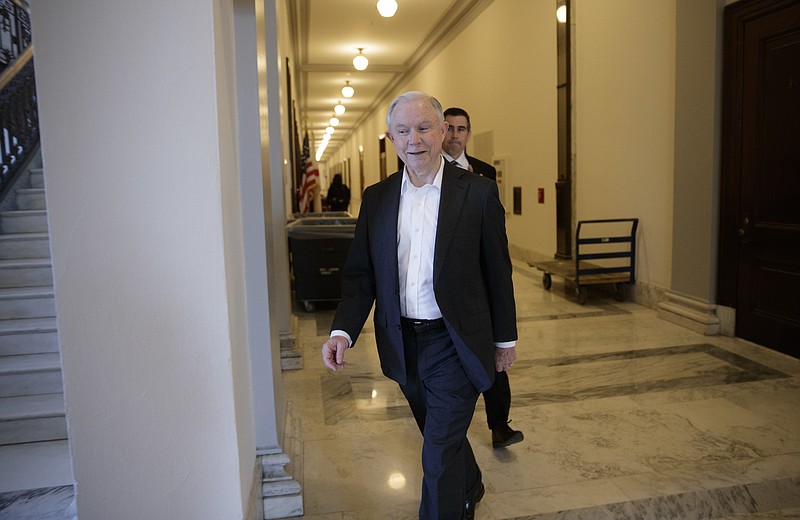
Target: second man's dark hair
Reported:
[(455, 111)]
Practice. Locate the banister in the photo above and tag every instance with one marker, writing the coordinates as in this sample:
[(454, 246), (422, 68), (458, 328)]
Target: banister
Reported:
[(19, 113), (18, 64)]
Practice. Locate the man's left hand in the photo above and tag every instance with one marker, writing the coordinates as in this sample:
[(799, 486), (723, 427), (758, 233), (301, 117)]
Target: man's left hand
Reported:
[(504, 358)]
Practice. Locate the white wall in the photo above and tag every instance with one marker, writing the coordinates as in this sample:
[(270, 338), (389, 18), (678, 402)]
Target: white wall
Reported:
[(625, 89), (502, 70), (138, 140), (698, 115)]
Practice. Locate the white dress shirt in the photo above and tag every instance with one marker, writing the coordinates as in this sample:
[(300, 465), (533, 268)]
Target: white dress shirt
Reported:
[(417, 221)]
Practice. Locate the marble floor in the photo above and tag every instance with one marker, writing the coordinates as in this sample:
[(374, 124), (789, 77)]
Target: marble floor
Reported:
[(625, 415)]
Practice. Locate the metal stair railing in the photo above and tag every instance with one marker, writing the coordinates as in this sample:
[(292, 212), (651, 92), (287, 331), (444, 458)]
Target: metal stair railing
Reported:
[(19, 114)]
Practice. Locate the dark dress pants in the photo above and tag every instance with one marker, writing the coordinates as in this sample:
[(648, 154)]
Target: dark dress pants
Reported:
[(498, 401), (442, 400)]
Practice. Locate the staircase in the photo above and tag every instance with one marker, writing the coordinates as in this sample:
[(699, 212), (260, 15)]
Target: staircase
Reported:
[(31, 392)]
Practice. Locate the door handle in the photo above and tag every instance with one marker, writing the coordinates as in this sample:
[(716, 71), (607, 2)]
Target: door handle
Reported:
[(742, 231)]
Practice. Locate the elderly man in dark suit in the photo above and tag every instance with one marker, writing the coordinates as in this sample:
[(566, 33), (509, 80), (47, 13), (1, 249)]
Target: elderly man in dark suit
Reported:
[(498, 398), (430, 251)]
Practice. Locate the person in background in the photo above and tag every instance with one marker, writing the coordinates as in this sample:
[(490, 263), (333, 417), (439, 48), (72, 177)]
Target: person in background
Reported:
[(498, 398), (338, 194), (430, 252), (455, 144)]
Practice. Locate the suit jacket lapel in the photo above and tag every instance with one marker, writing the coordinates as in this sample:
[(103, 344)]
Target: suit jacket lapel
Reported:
[(389, 209), (454, 191)]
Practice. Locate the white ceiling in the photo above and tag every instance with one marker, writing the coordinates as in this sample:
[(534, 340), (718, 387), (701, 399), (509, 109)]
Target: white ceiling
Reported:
[(328, 34)]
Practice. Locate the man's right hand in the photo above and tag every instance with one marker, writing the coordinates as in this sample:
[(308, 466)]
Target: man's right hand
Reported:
[(333, 352)]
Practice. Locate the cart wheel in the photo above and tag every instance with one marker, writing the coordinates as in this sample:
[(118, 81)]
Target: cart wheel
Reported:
[(620, 291), (582, 293), (547, 281), (308, 306)]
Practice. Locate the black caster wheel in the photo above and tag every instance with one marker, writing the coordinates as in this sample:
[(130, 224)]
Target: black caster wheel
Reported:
[(620, 292), (582, 293)]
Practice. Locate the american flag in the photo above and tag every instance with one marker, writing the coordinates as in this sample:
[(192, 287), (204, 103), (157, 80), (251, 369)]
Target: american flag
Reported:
[(309, 180)]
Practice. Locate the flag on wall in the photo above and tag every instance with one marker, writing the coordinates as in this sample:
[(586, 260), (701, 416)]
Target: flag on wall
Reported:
[(310, 178)]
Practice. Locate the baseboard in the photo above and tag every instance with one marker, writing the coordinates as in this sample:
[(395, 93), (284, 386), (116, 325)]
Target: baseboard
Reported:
[(291, 356), (689, 312)]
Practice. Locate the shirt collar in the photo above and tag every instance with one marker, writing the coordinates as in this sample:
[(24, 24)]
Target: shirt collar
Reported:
[(437, 181), (461, 160)]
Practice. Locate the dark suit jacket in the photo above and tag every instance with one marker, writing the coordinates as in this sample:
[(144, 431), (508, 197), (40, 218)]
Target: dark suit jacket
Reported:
[(471, 276), (482, 168)]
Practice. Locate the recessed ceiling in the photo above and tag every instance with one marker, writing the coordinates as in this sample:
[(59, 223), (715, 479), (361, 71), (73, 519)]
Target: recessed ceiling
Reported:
[(328, 35)]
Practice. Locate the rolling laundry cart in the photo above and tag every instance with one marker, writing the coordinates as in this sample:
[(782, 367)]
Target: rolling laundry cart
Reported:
[(605, 253), (318, 247)]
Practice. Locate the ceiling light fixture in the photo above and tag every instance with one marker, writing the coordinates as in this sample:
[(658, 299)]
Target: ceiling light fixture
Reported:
[(334, 121), (561, 14), (330, 130), (339, 109), (387, 8), (360, 62), (347, 90)]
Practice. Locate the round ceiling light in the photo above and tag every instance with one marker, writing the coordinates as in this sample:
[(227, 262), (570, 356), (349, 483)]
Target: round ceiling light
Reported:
[(360, 62), (561, 14), (347, 90), (387, 8)]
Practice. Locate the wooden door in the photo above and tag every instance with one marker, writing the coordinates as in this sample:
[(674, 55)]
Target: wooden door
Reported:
[(761, 171)]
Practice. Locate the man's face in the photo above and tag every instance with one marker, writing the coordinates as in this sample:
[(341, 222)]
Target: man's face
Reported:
[(457, 136), (417, 136)]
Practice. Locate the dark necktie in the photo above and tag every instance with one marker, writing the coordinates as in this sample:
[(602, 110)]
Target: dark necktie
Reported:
[(458, 165)]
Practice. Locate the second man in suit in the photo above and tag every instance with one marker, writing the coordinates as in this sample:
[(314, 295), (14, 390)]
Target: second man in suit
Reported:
[(498, 398)]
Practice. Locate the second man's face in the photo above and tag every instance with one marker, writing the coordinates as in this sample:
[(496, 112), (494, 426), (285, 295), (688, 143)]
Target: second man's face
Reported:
[(455, 141)]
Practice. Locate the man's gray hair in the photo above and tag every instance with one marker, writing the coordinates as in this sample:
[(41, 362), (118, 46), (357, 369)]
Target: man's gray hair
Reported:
[(414, 95)]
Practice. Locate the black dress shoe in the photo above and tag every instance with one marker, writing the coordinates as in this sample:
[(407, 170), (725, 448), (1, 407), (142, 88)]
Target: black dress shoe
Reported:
[(505, 436), (469, 507)]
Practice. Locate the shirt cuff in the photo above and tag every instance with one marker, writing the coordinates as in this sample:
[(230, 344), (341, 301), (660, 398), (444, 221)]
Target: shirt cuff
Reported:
[(503, 344), (344, 335)]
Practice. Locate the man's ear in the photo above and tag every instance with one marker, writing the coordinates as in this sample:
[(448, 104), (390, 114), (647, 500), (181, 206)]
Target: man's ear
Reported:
[(389, 135)]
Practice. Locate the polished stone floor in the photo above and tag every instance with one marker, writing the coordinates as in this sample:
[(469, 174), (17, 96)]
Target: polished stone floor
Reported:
[(625, 415)]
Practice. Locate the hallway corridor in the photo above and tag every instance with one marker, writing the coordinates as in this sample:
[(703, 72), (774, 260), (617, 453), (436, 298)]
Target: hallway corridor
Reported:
[(625, 415)]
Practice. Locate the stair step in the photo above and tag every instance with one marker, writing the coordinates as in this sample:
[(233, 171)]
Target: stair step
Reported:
[(37, 177), (24, 245), (30, 374), (27, 302), (31, 407), (31, 336), (24, 221), (32, 419), (31, 199), (26, 272)]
